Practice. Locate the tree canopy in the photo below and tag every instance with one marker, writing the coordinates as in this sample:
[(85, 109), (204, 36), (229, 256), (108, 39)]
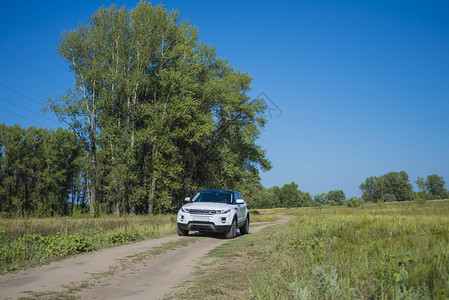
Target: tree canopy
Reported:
[(160, 115), (435, 186), (39, 171), (289, 195), (393, 186)]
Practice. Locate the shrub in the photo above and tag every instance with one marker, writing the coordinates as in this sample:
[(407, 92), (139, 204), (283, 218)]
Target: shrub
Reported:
[(353, 202), (123, 237), (389, 198), (444, 194), (326, 284)]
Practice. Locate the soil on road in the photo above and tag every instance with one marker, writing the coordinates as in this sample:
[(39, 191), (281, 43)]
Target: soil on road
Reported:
[(144, 270)]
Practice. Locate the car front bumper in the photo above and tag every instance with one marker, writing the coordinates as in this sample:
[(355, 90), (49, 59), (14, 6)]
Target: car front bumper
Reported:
[(204, 226), (207, 223)]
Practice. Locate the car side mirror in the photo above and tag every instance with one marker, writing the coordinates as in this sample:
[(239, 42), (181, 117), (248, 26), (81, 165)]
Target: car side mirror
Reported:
[(187, 199), (240, 201)]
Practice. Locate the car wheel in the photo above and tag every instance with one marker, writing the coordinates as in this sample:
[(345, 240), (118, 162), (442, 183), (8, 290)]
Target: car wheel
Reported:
[(245, 228), (232, 232), (182, 232)]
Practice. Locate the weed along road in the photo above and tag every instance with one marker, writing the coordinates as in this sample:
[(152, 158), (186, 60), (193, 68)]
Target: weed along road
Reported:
[(144, 270)]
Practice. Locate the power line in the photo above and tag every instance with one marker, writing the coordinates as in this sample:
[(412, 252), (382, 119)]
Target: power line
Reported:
[(31, 68), (25, 96), (19, 115), (19, 93), (21, 107)]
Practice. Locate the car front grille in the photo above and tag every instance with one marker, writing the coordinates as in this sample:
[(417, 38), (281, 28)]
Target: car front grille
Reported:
[(202, 211)]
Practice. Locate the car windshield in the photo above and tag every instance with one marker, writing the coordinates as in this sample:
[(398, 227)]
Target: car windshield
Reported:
[(213, 196)]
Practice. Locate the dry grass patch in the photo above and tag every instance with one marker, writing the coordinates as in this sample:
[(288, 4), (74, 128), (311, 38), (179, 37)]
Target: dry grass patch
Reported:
[(264, 215)]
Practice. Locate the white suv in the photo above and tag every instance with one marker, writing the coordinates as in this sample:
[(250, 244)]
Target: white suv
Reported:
[(214, 211)]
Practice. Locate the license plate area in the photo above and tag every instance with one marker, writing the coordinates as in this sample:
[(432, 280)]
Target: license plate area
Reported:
[(202, 219)]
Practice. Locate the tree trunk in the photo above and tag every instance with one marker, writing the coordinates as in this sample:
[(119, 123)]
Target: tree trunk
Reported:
[(117, 208), (153, 182)]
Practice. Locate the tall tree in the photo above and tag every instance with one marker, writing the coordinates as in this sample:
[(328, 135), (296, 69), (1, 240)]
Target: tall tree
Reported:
[(435, 185), (289, 195), (398, 185), (393, 185), (159, 113), (371, 190)]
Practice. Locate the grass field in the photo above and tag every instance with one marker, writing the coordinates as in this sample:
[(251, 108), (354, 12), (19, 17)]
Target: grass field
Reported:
[(30, 241), (378, 251), (25, 242)]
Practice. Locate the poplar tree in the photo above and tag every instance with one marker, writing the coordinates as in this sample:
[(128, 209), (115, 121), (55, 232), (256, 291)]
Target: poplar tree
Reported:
[(159, 113)]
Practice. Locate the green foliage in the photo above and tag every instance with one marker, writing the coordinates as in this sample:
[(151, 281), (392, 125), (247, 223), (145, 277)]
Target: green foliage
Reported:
[(39, 171), (287, 196), (37, 247), (31, 241), (123, 237), (444, 194), (354, 202), (336, 197), (262, 198), (320, 199), (387, 198), (393, 186), (422, 194), (435, 186), (160, 115)]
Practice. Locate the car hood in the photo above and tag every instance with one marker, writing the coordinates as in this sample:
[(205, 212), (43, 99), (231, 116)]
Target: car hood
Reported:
[(208, 205)]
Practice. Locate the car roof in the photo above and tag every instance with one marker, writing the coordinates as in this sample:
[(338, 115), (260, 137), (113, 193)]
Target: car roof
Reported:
[(217, 191)]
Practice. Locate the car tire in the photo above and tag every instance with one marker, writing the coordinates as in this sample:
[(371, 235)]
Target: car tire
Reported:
[(245, 228), (232, 232), (182, 232)]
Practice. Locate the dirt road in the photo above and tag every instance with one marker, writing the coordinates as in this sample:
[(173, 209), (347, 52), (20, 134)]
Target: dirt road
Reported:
[(144, 270)]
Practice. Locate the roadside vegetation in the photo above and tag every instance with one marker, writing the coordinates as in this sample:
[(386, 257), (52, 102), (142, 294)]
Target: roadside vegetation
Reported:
[(31, 241), (376, 251), (25, 242)]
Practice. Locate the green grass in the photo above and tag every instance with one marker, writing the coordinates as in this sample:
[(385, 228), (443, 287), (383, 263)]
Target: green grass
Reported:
[(30, 241), (386, 251)]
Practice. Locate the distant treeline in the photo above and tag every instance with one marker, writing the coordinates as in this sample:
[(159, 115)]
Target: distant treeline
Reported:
[(393, 186)]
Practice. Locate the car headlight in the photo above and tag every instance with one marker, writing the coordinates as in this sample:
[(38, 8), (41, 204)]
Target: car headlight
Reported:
[(223, 211), (186, 210)]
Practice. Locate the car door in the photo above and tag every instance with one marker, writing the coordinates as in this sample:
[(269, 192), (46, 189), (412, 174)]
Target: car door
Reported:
[(244, 208), (241, 210)]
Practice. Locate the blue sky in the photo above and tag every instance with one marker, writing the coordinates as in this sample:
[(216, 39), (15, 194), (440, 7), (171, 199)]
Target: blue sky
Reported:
[(357, 88)]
